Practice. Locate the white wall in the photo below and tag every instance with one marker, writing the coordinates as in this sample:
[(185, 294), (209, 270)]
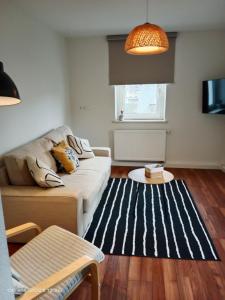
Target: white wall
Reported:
[(196, 139), (35, 58)]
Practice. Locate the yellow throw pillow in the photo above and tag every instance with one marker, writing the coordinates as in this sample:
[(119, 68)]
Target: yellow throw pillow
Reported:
[(66, 156)]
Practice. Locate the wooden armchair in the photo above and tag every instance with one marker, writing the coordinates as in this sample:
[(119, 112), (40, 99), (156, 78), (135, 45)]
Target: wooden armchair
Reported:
[(53, 264)]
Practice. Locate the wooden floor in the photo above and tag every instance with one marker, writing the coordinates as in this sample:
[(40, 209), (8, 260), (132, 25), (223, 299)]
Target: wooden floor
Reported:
[(149, 278)]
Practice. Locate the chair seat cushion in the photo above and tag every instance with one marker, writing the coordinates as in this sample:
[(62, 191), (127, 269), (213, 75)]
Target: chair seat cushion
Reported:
[(48, 253)]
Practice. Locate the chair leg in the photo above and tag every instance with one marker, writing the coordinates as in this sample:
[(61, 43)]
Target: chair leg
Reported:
[(95, 283)]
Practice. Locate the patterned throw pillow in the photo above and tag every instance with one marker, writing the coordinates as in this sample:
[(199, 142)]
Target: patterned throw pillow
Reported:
[(15, 274), (42, 174), (19, 288), (81, 146), (66, 156)]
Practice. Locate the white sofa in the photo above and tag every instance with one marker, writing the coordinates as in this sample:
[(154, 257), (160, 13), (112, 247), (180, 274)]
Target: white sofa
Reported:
[(70, 207)]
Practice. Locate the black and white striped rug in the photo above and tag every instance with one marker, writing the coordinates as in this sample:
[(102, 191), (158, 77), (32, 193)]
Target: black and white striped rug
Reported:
[(150, 220)]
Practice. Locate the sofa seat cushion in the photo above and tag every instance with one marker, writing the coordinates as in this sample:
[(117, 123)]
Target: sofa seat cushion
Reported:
[(98, 164), (88, 179), (16, 165)]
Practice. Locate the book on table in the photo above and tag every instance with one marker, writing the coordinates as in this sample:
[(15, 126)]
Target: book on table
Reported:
[(156, 175), (154, 170)]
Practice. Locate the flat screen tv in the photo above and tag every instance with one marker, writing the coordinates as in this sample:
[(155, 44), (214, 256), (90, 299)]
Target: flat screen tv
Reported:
[(214, 96)]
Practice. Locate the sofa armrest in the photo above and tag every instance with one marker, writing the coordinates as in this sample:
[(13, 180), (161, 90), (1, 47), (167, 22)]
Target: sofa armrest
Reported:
[(102, 151), (36, 191), (45, 207)]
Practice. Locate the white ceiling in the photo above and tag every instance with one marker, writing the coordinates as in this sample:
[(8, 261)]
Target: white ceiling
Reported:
[(94, 17)]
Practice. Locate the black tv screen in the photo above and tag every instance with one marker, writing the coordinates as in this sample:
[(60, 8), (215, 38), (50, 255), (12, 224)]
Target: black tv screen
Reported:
[(214, 96)]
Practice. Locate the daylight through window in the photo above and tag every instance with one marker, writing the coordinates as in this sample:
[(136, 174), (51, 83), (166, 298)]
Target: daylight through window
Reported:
[(140, 102)]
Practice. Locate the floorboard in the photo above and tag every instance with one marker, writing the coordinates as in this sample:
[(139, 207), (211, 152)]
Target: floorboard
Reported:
[(135, 278)]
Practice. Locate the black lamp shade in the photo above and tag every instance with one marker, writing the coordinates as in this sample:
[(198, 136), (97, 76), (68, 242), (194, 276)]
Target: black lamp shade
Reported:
[(9, 94)]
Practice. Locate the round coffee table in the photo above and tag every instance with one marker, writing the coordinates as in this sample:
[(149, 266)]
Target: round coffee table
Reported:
[(139, 176)]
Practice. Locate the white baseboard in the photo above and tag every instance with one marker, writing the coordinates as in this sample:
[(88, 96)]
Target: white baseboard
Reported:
[(223, 168), (129, 163), (193, 165), (173, 164)]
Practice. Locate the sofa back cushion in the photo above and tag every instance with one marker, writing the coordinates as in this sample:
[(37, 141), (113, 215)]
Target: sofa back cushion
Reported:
[(15, 161), (59, 134), (4, 178)]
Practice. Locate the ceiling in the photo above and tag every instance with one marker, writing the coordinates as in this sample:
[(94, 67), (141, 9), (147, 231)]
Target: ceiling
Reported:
[(102, 17)]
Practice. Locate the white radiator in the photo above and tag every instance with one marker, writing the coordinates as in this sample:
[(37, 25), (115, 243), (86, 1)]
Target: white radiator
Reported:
[(140, 145)]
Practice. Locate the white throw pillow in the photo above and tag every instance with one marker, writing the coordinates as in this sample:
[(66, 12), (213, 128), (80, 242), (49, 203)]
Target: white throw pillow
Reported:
[(81, 146), (42, 174)]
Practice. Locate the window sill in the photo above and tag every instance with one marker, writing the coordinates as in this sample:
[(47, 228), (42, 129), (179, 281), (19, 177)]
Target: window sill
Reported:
[(140, 121)]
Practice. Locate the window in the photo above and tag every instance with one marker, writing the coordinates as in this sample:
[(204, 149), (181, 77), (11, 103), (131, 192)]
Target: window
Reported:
[(141, 102)]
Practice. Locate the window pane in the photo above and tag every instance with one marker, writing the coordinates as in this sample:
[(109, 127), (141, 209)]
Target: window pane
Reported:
[(146, 101), (140, 98)]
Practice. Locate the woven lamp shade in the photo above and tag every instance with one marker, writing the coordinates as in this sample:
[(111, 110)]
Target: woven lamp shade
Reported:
[(147, 39)]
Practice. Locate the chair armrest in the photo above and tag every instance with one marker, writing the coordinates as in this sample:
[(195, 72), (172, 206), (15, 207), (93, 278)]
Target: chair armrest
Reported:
[(102, 151), (55, 279), (22, 228)]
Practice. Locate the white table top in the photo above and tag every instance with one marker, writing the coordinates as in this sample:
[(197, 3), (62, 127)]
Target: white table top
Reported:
[(139, 176)]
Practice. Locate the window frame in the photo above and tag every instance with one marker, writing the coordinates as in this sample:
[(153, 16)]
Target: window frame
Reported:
[(148, 117)]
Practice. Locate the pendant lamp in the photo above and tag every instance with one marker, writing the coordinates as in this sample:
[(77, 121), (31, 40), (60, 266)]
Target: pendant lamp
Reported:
[(147, 39), (9, 94)]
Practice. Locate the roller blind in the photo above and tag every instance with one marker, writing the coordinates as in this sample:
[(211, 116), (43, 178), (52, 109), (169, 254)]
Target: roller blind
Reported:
[(132, 69)]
